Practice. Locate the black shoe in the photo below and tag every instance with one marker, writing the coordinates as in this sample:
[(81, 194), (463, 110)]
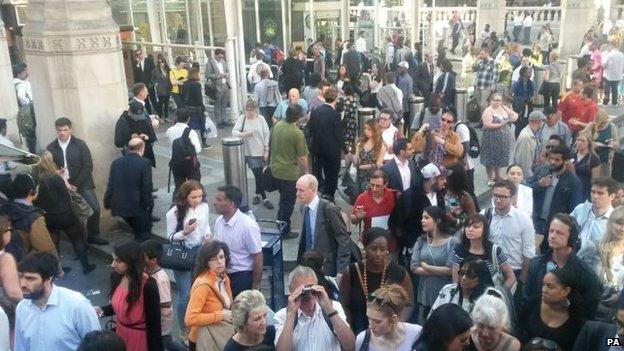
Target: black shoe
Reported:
[(88, 269), (155, 219), (268, 204), (256, 200), (291, 235), (96, 240)]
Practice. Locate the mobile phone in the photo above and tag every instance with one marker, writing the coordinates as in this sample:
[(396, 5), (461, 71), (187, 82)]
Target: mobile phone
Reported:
[(192, 221)]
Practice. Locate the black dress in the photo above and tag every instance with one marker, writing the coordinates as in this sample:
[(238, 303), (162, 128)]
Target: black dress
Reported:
[(266, 345), (357, 307), (564, 335)]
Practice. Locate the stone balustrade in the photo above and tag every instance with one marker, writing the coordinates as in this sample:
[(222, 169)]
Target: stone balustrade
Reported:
[(540, 14), (618, 12), (466, 14)]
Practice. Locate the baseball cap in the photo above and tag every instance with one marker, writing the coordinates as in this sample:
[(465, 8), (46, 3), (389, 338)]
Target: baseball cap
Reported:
[(432, 171), (536, 116), (403, 64)]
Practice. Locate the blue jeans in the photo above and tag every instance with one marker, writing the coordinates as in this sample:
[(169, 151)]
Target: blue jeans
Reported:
[(93, 223), (183, 284)]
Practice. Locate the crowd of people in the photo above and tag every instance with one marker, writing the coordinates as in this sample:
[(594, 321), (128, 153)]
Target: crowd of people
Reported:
[(412, 262)]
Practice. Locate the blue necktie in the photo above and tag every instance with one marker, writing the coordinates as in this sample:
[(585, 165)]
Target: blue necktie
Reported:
[(308, 229)]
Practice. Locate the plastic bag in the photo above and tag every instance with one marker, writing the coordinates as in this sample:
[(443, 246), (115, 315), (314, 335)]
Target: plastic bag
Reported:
[(211, 128)]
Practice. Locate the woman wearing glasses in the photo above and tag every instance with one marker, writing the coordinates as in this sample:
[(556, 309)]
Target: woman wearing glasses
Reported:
[(496, 141), (447, 329), (492, 322), (557, 314), (440, 146), (386, 330), (475, 242)]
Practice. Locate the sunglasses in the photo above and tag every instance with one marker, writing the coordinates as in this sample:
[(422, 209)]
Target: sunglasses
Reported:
[(469, 275), (543, 344), (380, 301)]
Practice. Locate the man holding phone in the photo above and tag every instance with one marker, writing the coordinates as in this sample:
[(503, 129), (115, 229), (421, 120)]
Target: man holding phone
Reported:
[(311, 321)]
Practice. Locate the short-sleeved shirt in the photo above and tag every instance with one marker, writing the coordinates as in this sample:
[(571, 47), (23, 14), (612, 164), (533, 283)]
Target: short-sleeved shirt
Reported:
[(460, 253), (164, 292), (280, 110), (242, 236), (177, 74), (287, 145), (374, 209)]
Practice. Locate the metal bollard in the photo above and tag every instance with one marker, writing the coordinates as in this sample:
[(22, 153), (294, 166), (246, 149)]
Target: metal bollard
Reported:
[(364, 114), (234, 165), (417, 105), (538, 79), (461, 100), (572, 66)]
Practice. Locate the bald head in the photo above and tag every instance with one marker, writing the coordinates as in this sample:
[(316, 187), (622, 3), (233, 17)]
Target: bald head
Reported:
[(293, 95), (307, 188), (136, 145)]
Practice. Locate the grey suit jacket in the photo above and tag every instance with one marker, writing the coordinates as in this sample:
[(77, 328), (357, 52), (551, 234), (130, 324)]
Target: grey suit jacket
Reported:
[(388, 98), (331, 238), (212, 73)]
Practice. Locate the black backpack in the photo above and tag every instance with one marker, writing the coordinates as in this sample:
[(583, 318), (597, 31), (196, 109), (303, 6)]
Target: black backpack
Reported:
[(474, 149), (183, 155)]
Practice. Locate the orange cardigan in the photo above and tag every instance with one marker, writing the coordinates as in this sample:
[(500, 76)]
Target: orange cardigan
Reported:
[(205, 305), (453, 147)]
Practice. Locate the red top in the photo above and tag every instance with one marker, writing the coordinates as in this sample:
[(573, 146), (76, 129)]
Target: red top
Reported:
[(374, 209), (573, 106)]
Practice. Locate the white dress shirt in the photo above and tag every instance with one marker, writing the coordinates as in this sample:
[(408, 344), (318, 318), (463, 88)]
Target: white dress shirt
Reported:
[(528, 21), (176, 131), (23, 90), (253, 76), (242, 236), (388, 136), (406, 175), (313, 206), (219, 65), (196, 237), (63, 146), (4, 331), (514, 233), (360, 44), (312, 332), (613, 68)]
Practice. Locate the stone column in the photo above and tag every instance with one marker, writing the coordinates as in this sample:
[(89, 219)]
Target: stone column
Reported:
[(8, 107), (415, 35), (577, 16), (76, 67), (154, 24), (490, 12), (235, 57)]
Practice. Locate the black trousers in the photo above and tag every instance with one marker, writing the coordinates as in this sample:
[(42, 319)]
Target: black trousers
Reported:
[(240, 281), (267, 113), (162, 106), (288, 195), (455, 42), (611, 88), (141, 226), (328, 169), (551, 94), (71, 226), (257, 173)]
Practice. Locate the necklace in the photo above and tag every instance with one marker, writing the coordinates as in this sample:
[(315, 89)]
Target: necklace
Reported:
[(365, 277)]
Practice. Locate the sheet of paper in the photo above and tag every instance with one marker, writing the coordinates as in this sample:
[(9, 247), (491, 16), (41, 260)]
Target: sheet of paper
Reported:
[(380, 221), (264, 243)]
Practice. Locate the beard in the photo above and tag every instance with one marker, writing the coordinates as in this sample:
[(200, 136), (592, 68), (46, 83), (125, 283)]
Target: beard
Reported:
[(555, 168), (35, 294)]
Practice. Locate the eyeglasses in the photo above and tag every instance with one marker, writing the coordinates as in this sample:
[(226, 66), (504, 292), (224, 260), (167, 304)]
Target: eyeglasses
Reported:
[(467, 274), (500, 197), (543, 344), (380, 301)]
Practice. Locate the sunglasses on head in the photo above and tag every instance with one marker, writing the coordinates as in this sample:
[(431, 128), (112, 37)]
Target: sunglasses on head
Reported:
[(380, 301)]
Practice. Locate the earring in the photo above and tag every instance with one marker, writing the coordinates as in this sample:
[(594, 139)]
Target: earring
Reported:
[(566, 303)]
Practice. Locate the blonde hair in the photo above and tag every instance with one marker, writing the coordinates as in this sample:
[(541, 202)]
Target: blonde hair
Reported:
[(553, 57), (590, 141), (610, 241), (389, 299), (46, 165), (243, 304), (592, 128)]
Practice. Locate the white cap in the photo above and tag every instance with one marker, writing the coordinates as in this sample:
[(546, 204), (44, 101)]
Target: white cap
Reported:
[(403, 64), (432, 171)]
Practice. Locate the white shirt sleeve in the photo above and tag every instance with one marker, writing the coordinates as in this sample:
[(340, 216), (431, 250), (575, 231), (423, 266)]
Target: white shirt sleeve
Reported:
[(252, 239), (4, 331), (195, 141), (528, 237), (279, 319), (172, 224), (22, 94)]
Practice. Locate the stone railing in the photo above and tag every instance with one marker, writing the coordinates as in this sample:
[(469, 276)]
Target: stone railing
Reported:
[(437, 14), (541, 15), (617, 12)]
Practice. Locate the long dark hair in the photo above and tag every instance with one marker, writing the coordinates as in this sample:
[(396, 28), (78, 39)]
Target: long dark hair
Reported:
[(438, 215), (457, 182), (487, 244), (444, 324), (208, 252), (578, 310), (476, 267), (131, 254), (182, 205)]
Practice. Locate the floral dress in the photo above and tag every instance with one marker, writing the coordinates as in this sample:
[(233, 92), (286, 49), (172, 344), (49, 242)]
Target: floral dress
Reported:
[(496, 144), (349, 124), (367, 157)]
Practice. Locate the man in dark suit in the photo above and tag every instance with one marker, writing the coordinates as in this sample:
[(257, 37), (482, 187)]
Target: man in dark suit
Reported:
[(401, 170), (548, 181), (129, 190), (143, 68), (594, 335), (328, 141), (424, 77), (324, 229), (72, 156)]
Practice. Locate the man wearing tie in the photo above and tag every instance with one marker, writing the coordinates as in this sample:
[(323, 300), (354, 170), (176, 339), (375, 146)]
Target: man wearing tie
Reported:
[(143, 68), (424, 77), (324, 229)]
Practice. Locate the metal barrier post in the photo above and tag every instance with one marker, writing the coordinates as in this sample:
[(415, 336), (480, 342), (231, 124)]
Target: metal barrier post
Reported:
[(364, 114), (234, 165), (417, 105), (538, 80), (461, 100), (572, 66)]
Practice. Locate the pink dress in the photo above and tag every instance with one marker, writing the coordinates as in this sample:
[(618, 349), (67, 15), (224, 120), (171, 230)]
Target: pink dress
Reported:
[(130, 326)]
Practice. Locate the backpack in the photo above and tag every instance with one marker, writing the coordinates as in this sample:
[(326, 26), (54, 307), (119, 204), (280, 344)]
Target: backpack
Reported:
[(474, 148), (473, 111), (278, 56), (183, 155), (26, 122)]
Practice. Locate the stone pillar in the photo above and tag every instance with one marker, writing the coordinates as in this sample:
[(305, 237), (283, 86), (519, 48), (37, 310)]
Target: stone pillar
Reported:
[(577, 16), (76, 67), (235, 57), (195, 15), (415, 35), (154, 24), (8, 107), (490, 12)]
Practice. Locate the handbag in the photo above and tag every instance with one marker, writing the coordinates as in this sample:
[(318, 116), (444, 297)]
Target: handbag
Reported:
[(268, 180), (179, 257), (214, 336), (80, 207)]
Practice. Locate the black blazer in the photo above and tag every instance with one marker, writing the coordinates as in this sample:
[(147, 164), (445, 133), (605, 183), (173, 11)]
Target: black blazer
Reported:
[(192, 95), (79, 162), (424, 80), (126, 126), (593, 336), (326, 130), (331, 238), (394, 175), (144, 75), (129, 188)]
